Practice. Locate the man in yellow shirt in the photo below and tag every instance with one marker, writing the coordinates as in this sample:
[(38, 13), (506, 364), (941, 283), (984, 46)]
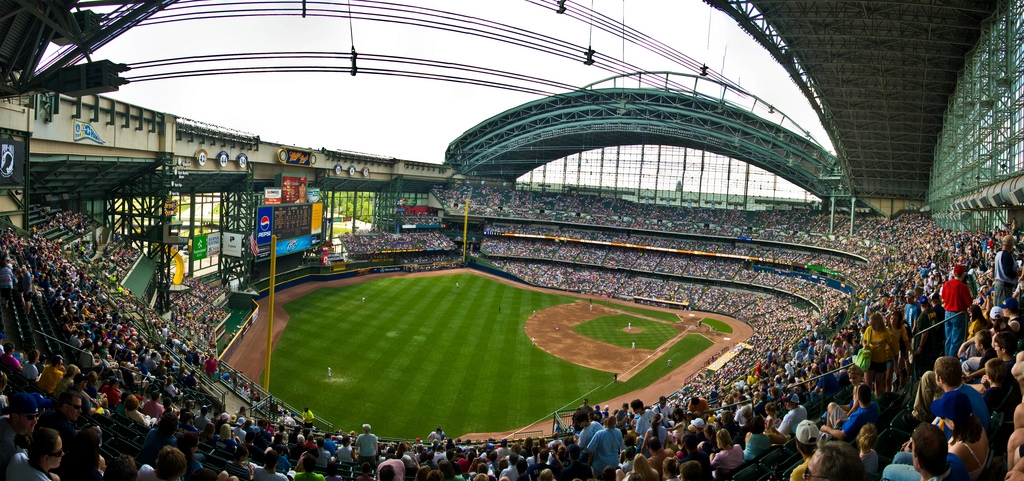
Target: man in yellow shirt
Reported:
[(307, 418), (806, 443)]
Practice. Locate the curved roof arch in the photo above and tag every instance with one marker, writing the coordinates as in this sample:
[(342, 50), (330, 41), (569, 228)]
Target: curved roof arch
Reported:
[(879, 74), (525, 137)]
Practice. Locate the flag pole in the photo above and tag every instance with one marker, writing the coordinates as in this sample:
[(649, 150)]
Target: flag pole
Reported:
[(270, 316)]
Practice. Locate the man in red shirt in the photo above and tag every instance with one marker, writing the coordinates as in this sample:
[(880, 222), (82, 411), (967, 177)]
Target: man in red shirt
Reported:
[(956, 299)]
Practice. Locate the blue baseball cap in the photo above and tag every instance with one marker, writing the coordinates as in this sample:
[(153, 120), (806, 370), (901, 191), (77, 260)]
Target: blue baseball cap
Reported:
[(26, 403), (954, 405), (1010, 303)]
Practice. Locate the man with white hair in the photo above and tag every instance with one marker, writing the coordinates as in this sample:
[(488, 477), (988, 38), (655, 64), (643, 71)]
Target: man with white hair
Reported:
[(1005, 272), (366, 446)]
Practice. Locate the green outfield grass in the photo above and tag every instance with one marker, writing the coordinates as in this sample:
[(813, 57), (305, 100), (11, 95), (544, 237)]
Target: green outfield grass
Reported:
[(718, 325), (421, 353), (609, 329)]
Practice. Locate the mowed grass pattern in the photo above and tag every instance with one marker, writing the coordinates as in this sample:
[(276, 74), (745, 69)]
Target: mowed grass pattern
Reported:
[(421, 353), (609, 329), (718, 325)]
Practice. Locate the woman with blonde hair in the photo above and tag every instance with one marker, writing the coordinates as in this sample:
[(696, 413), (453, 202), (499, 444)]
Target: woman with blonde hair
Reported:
[(641, 469), (898, 326), (867, 438), (884, 348), (67, 380), (728, 458)]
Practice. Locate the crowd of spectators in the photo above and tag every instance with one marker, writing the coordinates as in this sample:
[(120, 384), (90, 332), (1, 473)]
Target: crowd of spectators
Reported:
[(792, 343), (376, 243)]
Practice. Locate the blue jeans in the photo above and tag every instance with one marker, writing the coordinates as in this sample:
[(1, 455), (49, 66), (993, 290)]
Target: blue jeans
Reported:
[(954, 332), (901, 469)]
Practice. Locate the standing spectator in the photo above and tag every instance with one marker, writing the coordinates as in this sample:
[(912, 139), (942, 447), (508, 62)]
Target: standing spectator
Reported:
[(366, 447), (1006, 274), (882, 343), (605, 446), (956, 299)]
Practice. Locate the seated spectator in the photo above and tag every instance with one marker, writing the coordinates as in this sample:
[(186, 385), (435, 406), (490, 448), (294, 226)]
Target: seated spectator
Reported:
[(835, 461), (170, 464), (866, 412), (926, 456), (729, 457)]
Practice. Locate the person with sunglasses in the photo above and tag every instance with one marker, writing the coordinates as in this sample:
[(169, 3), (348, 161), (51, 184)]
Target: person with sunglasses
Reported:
[(64, 415), (43, 452), (22, 413)]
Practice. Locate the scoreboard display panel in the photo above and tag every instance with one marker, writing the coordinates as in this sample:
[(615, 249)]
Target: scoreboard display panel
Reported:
[(292, 221)]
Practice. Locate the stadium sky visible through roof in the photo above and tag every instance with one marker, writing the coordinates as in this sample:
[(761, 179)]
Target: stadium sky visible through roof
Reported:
[(415, 119)]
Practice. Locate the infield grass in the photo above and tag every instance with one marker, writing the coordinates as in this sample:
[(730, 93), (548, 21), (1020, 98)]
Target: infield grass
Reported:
[(665, 316), (421, 353), (718, 325), (609, 329)]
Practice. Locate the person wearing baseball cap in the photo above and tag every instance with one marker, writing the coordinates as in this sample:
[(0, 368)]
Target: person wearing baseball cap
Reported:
[(22, 412), (967, 436), (794, 417), (956, 299), (807, 435)]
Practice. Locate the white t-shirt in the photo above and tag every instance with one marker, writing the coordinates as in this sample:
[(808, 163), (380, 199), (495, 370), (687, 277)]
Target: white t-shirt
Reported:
[(264, 475)]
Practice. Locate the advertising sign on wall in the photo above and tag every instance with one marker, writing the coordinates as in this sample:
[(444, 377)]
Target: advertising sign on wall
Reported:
[(199, 244), (232, 244), (213, 244), (271, 196), (264, 224)]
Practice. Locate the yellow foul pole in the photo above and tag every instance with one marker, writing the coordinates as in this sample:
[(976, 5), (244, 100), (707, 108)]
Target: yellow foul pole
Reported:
[(465, 226), (270, 316)]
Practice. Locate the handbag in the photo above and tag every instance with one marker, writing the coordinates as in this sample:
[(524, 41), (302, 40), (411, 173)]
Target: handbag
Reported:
[(863, 359)]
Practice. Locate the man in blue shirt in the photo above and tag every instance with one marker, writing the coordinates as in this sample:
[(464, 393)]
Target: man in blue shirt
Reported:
[(605, 446), (866, 412), (912, 310)]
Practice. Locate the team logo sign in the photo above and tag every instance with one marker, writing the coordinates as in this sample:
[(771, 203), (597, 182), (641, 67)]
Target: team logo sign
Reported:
[(84, 131)]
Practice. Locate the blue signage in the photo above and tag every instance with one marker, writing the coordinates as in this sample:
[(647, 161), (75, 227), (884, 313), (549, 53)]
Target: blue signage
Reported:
[(264, 224)]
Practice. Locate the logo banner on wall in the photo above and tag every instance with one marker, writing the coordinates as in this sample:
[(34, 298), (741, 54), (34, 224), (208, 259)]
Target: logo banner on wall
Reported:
[(213, 244), (84, 131), (264, 224), (312, 194), (12, 162), (199, 244), (232, 245)]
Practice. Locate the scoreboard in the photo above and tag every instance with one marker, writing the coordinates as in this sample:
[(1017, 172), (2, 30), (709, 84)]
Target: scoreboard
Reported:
[(292, 221)]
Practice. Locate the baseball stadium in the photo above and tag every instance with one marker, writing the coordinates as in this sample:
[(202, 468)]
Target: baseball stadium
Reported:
[(574, 250)]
